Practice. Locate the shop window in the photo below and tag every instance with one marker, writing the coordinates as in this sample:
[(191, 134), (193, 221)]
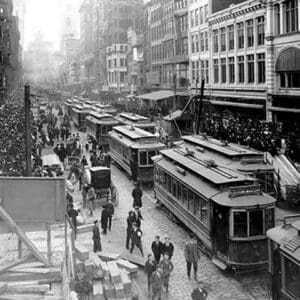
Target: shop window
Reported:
[(240, 224), (292, 278), (256, 224)]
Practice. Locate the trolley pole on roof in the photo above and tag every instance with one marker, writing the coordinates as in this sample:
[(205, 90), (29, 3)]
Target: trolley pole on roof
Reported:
[(27, 130), (199, 118)]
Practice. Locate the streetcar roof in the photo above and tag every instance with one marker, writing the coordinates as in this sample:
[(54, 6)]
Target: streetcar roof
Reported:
[(243, 201), (99, 105), (134, 133), (288, 238), (216, 175), (133, 117), (97, 169), (104, 120), (229, 149), (243, 164), (154, 144), (100, 115)]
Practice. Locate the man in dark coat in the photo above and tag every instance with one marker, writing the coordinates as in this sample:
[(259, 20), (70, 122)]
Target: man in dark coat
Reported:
[(137, 195), (192, 256), (111, 209), (156, 281), (156, 248), (136, 238), (168, 247), (72, 213), (130, 221), (96, 237), (137, 216), (104, 219), (150, 267)]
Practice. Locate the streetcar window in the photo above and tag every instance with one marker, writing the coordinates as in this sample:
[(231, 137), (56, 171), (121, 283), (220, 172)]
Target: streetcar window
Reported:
[(292, 278), (269, 218), (143, 158), (184, 197), (179, 191), (240, 223), (169, 186), (204, 213), (150, 154), (256, 223), (174, 189), (191, 201), (197, 205)]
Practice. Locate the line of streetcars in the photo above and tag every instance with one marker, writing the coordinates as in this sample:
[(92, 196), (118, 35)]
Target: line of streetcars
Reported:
[(221, 192)]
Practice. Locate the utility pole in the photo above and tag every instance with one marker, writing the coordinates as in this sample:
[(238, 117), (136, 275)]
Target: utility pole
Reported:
[(199, 120), (27, 131), (174, 81)]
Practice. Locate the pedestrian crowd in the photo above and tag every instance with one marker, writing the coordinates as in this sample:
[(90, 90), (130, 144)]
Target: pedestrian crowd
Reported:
[(253, 132)]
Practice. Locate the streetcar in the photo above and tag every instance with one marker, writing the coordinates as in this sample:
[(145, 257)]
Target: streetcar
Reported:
[(233, 156), (98, 125), (226, 209), (132, 148), (69, 104), (79, 112), (106, 108), (284, 259), (138, 121)]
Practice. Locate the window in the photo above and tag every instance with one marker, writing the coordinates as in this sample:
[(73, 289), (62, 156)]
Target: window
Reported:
[(202, 43), (260, 28), (206, 72), (290, 79), (261, 68), (250, 36), (206, 40), (193, 44), (231, 69), (230, 37), (196, 17), (202, 72), (122, 62), (223, 70), (191, 201), (192, 19), (269, 218), (179, 192), (184, 197), (174, 187), (143, 158), (196, 43), (205, 12), (201, 15), (241, 69), (215, 40), (240, 224), (291, 15), (256, 223), (223, 39), (216, 70), (277, 18), (240, 32), (250, 65), (292, 278)]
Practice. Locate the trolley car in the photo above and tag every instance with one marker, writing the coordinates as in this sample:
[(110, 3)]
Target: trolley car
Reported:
[(132, 149), (79, 113), (226, 209), (137, 121), (99, 125), (284, 259), (69, 104), (233, 156)]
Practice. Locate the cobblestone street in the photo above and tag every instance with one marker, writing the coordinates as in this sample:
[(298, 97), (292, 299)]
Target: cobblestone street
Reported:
[(157, 222)]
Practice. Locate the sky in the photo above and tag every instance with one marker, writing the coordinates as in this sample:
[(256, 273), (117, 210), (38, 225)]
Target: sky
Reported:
[(44, 16)]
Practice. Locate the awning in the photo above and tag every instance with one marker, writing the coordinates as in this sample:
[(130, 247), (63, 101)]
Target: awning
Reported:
[(157, 95), (237, 104), (284, 109), (288, 60)]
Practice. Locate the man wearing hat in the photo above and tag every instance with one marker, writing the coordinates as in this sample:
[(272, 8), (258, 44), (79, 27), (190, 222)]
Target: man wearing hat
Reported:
[(137, 216), (136, 238), (192, 255), (137, 195), (96, 237)]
